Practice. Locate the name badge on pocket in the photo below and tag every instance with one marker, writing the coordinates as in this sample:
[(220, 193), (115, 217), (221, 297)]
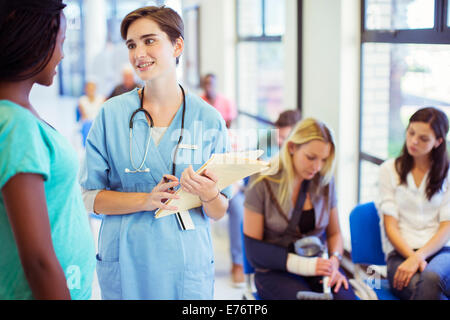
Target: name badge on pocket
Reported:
[(185, 220)]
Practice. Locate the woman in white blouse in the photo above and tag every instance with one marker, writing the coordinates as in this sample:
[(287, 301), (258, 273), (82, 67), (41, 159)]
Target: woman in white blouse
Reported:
[(415, 207)]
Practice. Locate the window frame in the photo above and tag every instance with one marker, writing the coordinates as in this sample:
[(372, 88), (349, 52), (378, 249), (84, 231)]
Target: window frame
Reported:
[(439, 34), (269, 38), (62, 70)]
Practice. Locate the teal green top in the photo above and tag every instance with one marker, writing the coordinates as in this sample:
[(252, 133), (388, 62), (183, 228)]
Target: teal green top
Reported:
[(28, 145)]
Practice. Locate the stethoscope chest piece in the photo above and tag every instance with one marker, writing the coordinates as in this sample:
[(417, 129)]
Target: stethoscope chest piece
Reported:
[(147, 114)]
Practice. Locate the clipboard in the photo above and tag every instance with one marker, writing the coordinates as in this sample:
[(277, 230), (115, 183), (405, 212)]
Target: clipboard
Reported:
[(228, 167)]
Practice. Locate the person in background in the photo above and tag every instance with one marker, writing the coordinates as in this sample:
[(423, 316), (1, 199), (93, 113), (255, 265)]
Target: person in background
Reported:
[(127, 84), (90, 103), (130, 170), (46, 246), (225, 106), (414, 204), (305, 166), (284, 124), (88, 107), (229, 112)]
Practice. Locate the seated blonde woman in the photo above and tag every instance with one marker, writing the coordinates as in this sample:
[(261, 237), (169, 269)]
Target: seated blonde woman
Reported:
[(274, 219)]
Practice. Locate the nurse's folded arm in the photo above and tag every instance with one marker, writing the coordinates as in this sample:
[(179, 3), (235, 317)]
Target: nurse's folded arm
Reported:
[(117, 203)]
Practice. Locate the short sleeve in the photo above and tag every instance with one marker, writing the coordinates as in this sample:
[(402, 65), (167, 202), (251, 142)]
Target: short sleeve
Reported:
[(254, 196), (386, 203), (23, 145), (95, 167), (444, 210), (332, 195), (89, 198)]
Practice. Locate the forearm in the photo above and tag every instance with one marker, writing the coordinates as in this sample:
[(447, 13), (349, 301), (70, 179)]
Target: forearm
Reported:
[(395, 237), (46, 279), (436, 242), (264, 255), (26, 208), (216, 208), (335, 243), (117, 203)]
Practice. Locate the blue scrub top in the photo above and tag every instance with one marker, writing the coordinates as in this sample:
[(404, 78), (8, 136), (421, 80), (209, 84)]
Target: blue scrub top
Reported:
[(141, 257)]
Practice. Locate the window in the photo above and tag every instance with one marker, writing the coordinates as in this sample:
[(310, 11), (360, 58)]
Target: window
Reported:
[(399, 14), (118, 9), (260, 58), (405, 64), (448, 15), (71, 69), (190, 59)]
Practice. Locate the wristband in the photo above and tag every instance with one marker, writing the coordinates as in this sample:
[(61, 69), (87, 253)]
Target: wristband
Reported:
[(214, 198), (338, 255)]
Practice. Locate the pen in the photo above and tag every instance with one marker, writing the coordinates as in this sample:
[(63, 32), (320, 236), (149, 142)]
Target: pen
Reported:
[(167, 180)]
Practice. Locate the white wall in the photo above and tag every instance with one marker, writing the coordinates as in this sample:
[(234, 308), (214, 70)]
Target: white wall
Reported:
[(94, 18), (331, 44), (217, 43)]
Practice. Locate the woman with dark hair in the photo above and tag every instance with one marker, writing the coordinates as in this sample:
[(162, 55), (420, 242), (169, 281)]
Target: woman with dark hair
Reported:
[(414, 205), (46, 247), (141, 145)]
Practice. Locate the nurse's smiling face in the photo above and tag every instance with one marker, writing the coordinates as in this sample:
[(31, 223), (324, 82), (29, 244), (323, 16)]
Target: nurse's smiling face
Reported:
[(150, 50)]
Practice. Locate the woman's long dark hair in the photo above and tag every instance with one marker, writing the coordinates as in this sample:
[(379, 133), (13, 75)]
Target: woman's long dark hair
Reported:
[(439, 157), (28, 30)]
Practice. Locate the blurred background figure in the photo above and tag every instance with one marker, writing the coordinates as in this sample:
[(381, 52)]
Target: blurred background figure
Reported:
[(225, 106), (88, 106), (235, 211), (90, 103), (127, 84), (285, 122)]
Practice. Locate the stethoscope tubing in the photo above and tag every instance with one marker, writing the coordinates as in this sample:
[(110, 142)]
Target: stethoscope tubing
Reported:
[(141, 109)]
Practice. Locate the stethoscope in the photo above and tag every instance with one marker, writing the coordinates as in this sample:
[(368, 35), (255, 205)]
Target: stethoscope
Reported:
[(141, 109)]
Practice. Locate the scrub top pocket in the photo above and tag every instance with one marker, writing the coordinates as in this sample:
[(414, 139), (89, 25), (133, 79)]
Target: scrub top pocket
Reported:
[(109, 279)]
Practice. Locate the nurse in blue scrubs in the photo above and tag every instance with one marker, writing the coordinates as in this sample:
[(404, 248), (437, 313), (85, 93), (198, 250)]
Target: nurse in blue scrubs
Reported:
[(133, 162)]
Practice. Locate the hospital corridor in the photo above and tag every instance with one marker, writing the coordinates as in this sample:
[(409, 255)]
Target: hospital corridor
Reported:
[(254, 151)]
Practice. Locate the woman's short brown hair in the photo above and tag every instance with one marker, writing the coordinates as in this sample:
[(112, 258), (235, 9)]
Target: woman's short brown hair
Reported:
[(167, 19)]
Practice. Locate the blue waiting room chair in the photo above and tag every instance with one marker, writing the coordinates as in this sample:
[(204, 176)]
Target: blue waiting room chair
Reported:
[(367, 249)]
